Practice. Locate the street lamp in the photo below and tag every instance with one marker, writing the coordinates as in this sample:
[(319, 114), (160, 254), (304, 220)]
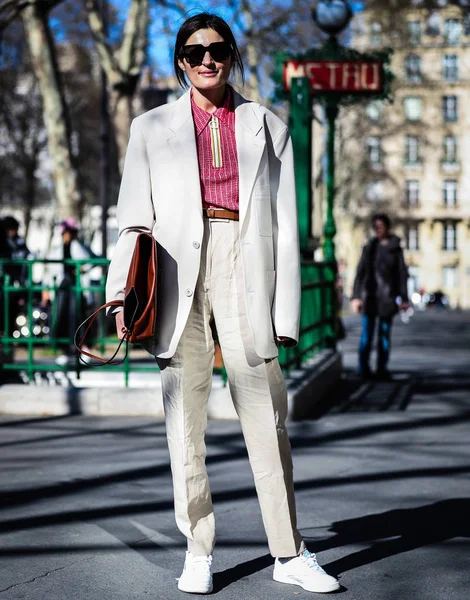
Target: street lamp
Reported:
[(333, 76), (332, 16)]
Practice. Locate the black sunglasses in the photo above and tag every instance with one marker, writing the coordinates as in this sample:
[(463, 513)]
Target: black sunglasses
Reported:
[(194, 53)]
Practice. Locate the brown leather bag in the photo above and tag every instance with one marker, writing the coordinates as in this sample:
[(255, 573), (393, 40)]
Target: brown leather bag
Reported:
[(140, 301)]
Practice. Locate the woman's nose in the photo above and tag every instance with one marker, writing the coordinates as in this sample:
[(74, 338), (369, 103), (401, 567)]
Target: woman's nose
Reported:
[(207, 60)]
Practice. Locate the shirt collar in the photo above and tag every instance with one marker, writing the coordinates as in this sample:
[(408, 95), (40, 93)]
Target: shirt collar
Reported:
[(224, 113)]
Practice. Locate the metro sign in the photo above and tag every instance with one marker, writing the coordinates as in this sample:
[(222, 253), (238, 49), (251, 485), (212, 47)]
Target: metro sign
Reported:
[(336, 76)]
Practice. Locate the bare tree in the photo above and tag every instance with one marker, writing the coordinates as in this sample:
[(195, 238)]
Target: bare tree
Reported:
[(246, 16), (122, 65), (35, 17), (24, 140)]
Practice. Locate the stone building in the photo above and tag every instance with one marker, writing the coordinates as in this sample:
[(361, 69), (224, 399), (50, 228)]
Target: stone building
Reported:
[(409, 158)]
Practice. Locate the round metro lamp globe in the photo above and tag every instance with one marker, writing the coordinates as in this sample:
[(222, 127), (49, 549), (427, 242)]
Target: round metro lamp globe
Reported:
[(332, 16)]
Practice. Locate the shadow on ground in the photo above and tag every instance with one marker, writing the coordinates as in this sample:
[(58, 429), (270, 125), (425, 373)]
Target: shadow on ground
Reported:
[(397, 531), (355, 395)]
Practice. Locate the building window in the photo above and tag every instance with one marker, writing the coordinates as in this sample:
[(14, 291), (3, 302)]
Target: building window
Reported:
[(413, 281), (412, 237), (453, 31), (375, 191), (449, 149), (449, 278), (451, 67), (412, 192), (374, 150), (413, 108), (414, 32), (450, 108), (413, 68), (434, 24), (450, 193), (375, 34), (412, 150), (466, 24), (374, 110), (449, 242)]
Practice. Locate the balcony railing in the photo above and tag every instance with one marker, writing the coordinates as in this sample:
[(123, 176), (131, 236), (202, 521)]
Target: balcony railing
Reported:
[(450, 166), (411, 205), (418, 162)]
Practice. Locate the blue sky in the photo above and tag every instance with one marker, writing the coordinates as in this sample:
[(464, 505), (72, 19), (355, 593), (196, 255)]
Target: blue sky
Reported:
[(160, 50)]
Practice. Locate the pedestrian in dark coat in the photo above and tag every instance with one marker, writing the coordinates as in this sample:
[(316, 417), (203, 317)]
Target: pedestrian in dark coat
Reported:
[(16, 249), (380, 290)]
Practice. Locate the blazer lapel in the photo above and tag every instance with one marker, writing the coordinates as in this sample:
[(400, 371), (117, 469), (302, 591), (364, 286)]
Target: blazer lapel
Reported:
[(250, 148), (182, 140)]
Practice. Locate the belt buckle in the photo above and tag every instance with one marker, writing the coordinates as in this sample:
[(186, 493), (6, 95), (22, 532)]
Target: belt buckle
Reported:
[(210, 212)]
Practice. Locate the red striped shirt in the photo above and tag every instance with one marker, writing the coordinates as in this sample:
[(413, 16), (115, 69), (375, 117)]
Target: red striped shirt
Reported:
[(219, 185)]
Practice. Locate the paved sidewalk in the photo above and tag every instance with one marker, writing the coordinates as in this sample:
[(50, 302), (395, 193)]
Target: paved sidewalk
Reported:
[(382, 484)]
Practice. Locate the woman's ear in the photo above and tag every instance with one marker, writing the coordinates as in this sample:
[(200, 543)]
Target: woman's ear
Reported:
[(181, 64)]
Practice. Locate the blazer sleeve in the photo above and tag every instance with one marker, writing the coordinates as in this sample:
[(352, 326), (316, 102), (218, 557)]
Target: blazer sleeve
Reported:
[(286, 305), (402, 276), (360, 274), (135, 212)]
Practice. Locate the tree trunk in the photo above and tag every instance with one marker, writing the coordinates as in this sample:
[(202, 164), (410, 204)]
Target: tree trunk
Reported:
[(251, 53), (30, 197), (121, 115), (55, 112), (122, 67)]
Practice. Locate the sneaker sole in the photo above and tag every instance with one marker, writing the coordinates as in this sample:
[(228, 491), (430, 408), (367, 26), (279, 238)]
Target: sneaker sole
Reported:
[(323, 590), (194, 590)]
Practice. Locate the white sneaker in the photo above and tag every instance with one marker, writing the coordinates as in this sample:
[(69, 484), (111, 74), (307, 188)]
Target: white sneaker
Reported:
[(305, 571), (196, 577)]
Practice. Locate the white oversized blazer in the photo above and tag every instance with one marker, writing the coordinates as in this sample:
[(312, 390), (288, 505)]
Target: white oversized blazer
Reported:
[(160, 192)]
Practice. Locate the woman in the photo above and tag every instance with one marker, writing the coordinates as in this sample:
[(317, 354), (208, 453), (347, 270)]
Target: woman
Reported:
[(211, 176)]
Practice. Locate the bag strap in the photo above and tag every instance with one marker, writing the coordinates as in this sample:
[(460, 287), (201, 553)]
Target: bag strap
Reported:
[(90, 320)]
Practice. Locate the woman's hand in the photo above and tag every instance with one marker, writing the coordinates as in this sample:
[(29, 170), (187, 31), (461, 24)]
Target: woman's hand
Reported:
[(356, 305), (120, 327)]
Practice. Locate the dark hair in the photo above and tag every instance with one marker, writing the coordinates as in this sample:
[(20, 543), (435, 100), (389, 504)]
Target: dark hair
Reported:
[(205, 21), (382, 217), (10, 223)]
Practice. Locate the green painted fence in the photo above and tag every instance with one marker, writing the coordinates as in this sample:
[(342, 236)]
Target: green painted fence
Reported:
[(38, 350)]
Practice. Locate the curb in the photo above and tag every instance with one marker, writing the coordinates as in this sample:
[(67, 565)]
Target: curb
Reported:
[(306, 388)]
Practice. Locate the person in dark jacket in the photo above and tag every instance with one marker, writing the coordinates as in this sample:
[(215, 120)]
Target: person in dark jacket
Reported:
[(15, 249), (380, 290)]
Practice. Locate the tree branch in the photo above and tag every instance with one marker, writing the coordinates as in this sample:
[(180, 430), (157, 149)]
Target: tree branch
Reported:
[(133, 47), (142, 39), (276, 22), (105, 53), (176, 6), (10, 10)]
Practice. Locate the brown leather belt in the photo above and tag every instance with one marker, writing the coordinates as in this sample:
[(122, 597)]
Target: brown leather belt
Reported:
[(221, 213)]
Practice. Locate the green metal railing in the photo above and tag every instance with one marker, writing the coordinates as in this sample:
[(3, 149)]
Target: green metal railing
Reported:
[(317, 329), (318, 314)]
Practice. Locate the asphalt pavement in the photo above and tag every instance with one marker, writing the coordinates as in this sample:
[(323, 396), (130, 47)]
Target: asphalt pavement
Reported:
[(382, 481)]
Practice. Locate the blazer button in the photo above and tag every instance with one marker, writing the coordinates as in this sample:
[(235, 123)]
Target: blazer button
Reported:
[(196, 245), (189, 292)]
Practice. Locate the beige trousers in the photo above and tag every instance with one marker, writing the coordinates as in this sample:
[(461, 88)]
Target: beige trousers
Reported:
[(259, 395)]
